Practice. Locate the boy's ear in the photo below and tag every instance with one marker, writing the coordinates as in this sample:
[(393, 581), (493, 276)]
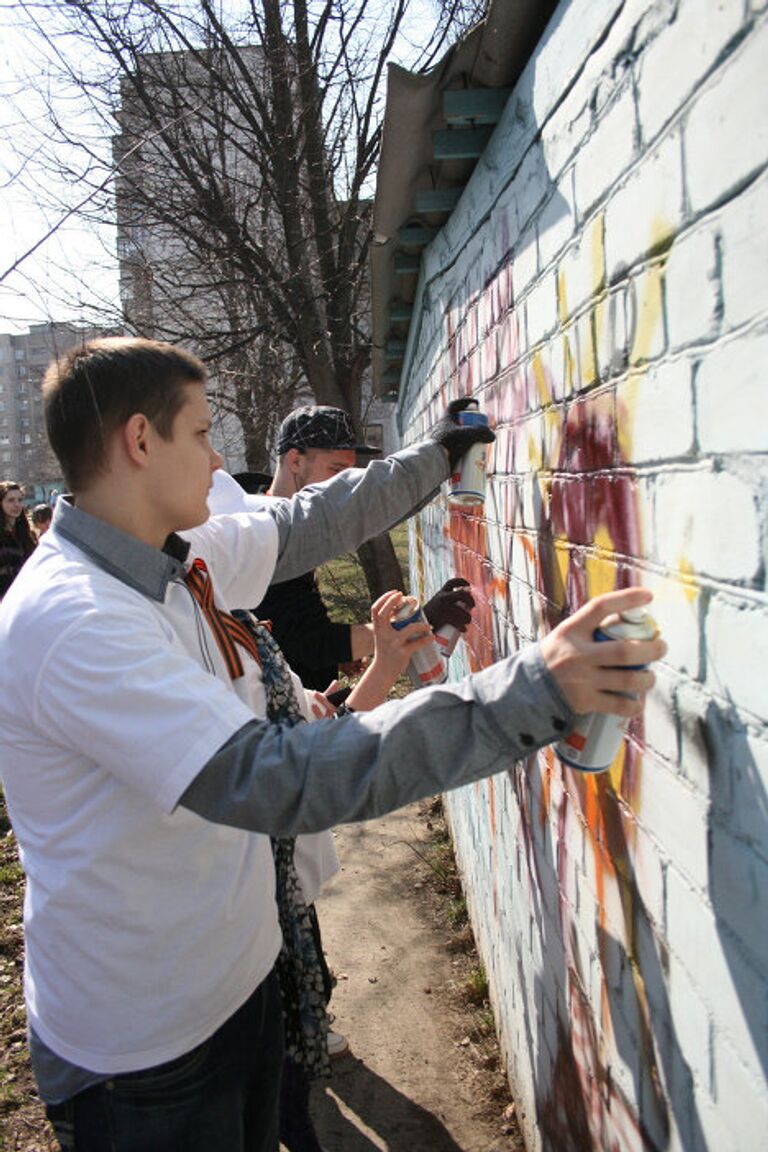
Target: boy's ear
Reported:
[(292, 458), (135, 435)]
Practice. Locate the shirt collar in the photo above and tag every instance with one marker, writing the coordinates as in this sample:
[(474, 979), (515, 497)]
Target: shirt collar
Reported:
[(149, 570)]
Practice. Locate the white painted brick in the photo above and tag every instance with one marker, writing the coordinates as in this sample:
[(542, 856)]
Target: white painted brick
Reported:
[(731, 383), (532, 184), (731, 988), (751, 788), (660, 730), (745, 255), (693, 704), (698, 831), (607, 154), (582, 270), (586, 374), (737, 640), (668, 804), (742, 1100), (739, 887), (726, 134), (541, 309), (676, 62), (526, 262), (565, 131), (555, 223), (611, 332), (717, 1134), (580, 30), (690, 1018), (504, 222), (692, 312), (649, 875), (656, 413), (707, 522), (646, 212)]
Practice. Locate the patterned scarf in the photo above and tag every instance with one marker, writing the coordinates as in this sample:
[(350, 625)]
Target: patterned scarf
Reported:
[(298, 966)]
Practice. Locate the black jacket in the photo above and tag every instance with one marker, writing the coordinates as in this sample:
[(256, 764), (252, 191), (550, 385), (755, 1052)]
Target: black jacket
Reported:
[(313, 645)]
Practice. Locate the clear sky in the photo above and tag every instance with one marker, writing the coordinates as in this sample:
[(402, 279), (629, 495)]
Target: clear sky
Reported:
[(76, 263), (75, 268)]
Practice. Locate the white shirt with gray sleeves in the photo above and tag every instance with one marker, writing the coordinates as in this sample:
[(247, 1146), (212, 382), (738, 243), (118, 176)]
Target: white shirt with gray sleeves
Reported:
[(137, 772)]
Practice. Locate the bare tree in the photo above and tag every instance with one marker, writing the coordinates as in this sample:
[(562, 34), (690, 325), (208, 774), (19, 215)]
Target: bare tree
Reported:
[(244, 139)]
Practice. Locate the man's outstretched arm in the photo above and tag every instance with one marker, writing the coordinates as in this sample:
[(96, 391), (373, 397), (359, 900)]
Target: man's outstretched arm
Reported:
[(283, 781)]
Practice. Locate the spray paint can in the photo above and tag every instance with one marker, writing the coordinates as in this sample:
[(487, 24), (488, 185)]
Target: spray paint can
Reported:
[(427, 665), (446, 638), (594, 743), (467, 483)]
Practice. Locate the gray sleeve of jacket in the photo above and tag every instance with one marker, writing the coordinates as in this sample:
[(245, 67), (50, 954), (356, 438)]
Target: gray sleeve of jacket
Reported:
[(284, 781), (324, 520)]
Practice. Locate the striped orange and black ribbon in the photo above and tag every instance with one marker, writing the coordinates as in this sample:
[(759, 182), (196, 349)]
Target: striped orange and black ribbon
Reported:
[(227, 631)]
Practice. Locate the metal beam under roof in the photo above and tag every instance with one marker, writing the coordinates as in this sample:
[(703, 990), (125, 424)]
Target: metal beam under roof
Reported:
[(418, 186)]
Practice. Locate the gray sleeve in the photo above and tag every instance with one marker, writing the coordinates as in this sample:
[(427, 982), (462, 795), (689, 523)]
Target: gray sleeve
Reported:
[(284, 781), (324, 520)]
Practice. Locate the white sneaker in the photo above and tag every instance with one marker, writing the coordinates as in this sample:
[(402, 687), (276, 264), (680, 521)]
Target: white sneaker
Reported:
[(338, 1045)]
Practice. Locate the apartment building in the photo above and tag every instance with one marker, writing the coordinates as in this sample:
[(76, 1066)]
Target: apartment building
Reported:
[(171, 287), (25, 455)]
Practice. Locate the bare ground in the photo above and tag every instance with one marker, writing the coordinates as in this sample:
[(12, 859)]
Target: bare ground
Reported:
[(423, 1074)]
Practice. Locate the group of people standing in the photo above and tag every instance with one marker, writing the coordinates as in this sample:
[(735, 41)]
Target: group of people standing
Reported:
[(157, 771), (20, 531)]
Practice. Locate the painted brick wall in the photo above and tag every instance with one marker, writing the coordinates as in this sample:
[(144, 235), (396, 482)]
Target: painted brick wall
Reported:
[(602, 288)]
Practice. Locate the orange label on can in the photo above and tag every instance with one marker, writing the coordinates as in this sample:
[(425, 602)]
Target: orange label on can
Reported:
[(576, 740)]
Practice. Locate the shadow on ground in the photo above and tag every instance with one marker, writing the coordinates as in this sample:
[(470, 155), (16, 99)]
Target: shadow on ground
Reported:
[(358, 1111)]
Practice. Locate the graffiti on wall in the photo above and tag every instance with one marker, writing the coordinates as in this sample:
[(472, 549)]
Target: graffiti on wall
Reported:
[(564, 522)]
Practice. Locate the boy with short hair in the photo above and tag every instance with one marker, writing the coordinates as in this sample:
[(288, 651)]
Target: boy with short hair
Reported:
[(143, 782)]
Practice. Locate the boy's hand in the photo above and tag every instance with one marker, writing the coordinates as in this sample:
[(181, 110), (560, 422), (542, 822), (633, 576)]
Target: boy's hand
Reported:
[(589, 672), (456, 439), (453, 605), (394, 647)]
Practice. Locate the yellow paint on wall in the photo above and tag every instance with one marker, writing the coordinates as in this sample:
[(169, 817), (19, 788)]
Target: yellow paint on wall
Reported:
[(540, 377), (597, 250), (648, 318), (562, 557), (553, 436), (649, 310), (625, 413), (688, 576), (616, 771), (600, 571), (562, 299), (588, 359)]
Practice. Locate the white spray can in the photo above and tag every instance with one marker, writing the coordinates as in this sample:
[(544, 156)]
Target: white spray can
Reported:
[(447, 638), (467, 483), (427, 665), (594, 743)]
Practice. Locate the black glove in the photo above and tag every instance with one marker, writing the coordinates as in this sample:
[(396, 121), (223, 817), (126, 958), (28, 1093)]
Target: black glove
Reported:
[(453, 604), (454, 438)]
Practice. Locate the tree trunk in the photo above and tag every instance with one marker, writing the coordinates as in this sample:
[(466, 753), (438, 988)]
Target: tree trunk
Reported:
[(380, 565)]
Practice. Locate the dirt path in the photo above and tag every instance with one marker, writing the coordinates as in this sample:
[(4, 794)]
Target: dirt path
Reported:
[(423, 1073)]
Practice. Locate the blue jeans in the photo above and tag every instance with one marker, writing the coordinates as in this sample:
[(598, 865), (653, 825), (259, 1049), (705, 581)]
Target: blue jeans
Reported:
[(222, 1095)]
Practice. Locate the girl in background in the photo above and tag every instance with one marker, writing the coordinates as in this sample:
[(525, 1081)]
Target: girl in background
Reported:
[(17, 540)]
